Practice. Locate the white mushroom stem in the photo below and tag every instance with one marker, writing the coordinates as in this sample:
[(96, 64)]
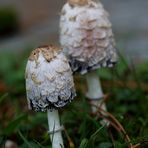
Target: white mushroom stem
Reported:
[(95, 93), (55, 129)]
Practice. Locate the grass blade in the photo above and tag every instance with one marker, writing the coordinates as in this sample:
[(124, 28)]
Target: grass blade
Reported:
[(24, 139)]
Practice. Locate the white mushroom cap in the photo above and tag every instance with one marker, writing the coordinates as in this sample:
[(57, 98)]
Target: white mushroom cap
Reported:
[(86, 35), (49, 81)]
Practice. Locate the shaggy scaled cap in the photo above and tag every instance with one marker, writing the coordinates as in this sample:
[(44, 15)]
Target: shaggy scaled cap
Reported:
[(49, 81), (86, 35)]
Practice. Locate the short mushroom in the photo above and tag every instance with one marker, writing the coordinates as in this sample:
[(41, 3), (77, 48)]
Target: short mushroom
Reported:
[(87, 40), (49, 86)]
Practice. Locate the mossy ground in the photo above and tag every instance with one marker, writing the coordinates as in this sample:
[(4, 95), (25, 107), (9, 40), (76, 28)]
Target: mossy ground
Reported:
[(126, 88)]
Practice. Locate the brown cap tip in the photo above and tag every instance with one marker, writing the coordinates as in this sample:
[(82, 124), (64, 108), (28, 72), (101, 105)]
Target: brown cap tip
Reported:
[(48, 51), (78, 2)]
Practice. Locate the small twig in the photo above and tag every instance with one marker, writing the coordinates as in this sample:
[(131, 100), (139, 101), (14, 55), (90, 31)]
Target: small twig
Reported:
[(105, 98), (111, 123), (71, 144), (105, 113), (112, 138), (138, 144)]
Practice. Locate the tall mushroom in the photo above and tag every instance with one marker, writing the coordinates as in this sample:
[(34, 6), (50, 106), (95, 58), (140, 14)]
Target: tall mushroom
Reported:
[(87, 40), (49, 86)]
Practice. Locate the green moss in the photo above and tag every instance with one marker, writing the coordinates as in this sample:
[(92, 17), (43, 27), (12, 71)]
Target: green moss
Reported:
[(128, 105)]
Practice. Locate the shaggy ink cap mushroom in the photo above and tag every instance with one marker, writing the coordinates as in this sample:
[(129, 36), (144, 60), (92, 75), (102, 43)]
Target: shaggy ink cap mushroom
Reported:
[(49, 81), (86, 36)]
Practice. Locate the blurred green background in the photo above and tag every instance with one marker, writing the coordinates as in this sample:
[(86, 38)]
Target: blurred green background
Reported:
[(9, 24), (25, 25)]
